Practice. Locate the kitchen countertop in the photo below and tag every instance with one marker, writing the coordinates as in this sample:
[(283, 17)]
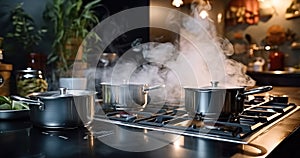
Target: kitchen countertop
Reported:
[(20, 139)]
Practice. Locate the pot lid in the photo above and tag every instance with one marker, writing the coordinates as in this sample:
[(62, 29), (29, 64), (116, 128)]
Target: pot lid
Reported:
[(215, 86), (29, 70), (124, 84), (62, 93)]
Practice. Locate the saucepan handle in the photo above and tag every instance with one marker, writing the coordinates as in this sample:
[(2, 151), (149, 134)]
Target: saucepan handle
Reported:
[(258, 90), (145, 88), (27, 101)]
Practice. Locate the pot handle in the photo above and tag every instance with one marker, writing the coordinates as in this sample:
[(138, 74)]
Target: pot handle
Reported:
[(258, 90), (27, 101), (146, 89)]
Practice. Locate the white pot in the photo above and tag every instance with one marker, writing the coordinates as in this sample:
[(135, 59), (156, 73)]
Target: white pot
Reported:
[(73, 83)]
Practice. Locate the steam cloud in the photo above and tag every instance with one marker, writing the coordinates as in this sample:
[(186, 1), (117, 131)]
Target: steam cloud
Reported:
[(198, 59)]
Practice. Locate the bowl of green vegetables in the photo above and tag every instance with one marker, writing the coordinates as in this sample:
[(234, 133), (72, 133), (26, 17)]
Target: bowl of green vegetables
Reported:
[(12, 109)]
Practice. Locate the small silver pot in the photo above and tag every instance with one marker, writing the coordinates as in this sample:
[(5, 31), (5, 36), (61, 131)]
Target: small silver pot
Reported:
[(126, 95), (218, 100), (61, 109)]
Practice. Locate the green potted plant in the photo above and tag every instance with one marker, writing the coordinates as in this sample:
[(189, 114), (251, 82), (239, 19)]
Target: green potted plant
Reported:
[(72, 21), (24, 31), (24, 36)]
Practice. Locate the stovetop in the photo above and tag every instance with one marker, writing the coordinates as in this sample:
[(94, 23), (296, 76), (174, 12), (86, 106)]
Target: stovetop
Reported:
[(259, 114)]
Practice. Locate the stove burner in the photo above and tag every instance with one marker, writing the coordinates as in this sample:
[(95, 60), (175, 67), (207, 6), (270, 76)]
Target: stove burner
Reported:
[(224, 117), (228, 127), (279, 98)]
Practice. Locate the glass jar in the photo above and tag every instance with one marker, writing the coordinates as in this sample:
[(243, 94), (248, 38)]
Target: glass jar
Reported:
[(30, 81)]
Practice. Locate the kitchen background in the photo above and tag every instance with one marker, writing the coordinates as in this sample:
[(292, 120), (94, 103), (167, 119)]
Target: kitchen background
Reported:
[(274, 13)]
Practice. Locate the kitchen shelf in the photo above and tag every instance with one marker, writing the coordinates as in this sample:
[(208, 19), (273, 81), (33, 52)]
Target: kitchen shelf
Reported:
[(276, 78)]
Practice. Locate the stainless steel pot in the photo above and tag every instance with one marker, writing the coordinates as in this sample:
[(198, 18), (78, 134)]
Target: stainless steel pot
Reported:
[(126, 95), (218, 100), (61, 109)]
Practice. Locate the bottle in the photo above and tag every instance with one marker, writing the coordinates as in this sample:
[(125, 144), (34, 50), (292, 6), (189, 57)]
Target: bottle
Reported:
[(5, 73), (37, 61), (276, 59)]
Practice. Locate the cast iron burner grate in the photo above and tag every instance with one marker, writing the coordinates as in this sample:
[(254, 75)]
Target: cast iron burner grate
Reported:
[(259, 113)]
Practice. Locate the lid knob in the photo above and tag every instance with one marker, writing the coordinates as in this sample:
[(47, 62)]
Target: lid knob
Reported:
[(62, 91), (214, 83)]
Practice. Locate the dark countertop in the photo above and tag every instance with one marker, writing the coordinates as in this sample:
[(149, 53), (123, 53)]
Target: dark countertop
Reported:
[(20, 139)]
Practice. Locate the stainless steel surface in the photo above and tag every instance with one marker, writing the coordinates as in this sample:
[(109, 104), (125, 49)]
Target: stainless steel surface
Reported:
[(205, 101), (216, 100), (62, 91), (272, 136), (260, 115), (209, 136), (26, 100), (126, 95), (70, 110)]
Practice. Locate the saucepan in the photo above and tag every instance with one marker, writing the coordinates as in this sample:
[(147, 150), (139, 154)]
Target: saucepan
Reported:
[(126, 95), (216, 99), (60, 109)]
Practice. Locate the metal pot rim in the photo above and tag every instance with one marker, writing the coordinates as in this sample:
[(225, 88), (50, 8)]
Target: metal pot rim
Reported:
[(56, 94), (214, 88), (124, 84)]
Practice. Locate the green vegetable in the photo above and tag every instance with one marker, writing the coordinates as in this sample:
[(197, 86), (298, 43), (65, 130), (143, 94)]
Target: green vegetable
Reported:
[(4, 99), (18, 105), (8, 104), (5, 106)]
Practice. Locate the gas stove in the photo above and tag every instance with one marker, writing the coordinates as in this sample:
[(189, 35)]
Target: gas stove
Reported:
[(259, 114)]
